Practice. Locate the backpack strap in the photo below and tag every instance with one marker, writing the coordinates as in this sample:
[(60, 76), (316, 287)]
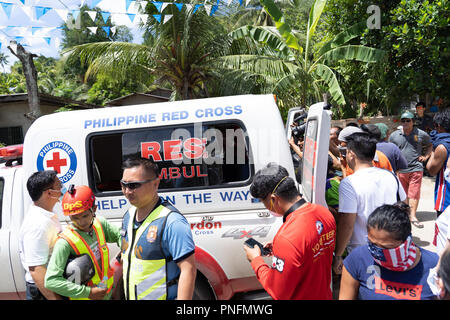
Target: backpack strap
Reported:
[(398, 184)]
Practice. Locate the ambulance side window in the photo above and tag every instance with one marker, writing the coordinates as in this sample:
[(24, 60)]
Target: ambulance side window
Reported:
[(189, 156), (106, 168), (2, 184)]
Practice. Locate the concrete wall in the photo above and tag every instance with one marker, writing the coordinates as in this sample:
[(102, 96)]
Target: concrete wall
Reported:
[(12, 114), (392, 121)]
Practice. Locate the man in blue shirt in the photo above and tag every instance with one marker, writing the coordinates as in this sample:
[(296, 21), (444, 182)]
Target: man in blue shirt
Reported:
[(157, 244), (395, 156)]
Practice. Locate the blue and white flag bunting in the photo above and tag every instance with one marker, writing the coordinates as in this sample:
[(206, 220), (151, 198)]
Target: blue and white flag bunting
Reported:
[(40, 11), (7, 7), (94, 3), (157, 17), (127, 4), (75, 14), (179, 6), (107, 30), (39, 22), (158, 5), (105, 16), (131, 16)]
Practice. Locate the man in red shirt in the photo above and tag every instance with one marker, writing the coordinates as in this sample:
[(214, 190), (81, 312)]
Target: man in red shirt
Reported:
[(302, 249)]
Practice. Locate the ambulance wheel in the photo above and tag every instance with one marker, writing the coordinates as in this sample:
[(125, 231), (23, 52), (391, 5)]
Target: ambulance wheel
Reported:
[(202, 290)]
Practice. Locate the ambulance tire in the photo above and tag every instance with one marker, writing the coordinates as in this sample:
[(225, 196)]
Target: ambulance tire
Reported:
[(202, 290)]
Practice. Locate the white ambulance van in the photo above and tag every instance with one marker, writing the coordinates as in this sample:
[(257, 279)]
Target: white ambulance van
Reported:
[(208, 150)]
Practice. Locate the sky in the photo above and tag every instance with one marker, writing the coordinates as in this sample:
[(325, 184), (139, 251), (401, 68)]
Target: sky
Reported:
[(34, 23)]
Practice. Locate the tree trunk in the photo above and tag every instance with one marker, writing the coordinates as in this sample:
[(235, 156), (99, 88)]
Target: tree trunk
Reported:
[(29, 70)]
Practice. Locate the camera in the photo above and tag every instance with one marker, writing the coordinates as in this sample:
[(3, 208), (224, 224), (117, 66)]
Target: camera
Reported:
[(299, 130)]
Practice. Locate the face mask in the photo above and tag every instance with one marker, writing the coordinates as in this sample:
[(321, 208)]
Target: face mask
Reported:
[(396, 259), (63, 191)]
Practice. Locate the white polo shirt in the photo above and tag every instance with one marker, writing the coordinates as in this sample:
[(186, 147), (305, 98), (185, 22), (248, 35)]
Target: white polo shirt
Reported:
[(37, 237), (363, 192)]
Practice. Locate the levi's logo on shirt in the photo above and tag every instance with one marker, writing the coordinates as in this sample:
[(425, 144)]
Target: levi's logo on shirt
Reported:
[(398, 290)]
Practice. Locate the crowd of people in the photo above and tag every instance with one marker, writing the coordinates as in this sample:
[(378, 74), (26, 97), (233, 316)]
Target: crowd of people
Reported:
[(365, 238), (362, 243)]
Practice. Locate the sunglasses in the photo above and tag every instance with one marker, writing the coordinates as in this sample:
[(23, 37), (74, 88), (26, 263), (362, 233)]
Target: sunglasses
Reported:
[(406, 120), (135, 184)]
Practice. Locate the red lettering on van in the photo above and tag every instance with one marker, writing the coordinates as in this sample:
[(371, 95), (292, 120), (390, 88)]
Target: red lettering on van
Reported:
[(172, 150), (151, 149), (194, 148)]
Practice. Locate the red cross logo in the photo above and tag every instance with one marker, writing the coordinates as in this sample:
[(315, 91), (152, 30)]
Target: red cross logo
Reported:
[(56, 163)]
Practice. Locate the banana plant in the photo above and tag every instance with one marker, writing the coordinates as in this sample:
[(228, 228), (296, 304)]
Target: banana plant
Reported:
[(287, 64)]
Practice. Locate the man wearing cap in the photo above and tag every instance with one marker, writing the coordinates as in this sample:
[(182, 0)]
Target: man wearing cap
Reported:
[(391, 151), (415, 145), (380, 160)]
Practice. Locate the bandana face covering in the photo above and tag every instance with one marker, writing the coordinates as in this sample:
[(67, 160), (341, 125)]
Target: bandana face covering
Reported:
[(396, 259)]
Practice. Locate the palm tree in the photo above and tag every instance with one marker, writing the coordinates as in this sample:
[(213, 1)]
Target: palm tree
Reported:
[(178, 53), (277, 59), (3, 60)]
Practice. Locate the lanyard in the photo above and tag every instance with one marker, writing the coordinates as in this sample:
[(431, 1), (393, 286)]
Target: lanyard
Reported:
[(294, 207)]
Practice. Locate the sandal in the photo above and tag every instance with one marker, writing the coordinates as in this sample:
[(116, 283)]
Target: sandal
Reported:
[(417, 224)]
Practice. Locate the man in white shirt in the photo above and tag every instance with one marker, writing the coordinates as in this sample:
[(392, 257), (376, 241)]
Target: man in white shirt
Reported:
[(39, 232), (360, 194)]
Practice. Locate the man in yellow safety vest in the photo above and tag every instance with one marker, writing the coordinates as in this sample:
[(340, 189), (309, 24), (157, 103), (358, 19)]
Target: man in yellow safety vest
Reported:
[(157, 244)]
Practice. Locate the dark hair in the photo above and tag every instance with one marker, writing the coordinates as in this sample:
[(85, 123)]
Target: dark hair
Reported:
[(373, 131), (393, 219), (149, 166), (443, 119), (352, 124), (444, 270), (40, 181), (266, 179), (362, 145), (339, 129), (421, 103)]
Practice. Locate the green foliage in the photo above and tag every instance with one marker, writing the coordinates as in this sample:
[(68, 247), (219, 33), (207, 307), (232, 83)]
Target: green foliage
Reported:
[(414, 34), (106, 89), (419, 36), (8, 83), (298, 74)]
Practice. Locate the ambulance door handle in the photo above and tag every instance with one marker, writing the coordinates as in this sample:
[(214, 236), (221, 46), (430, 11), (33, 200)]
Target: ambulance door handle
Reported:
[(263, 214)]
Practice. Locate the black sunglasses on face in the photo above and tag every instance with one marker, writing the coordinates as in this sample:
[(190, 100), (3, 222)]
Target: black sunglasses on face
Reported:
[(135, 184), (406, 120)]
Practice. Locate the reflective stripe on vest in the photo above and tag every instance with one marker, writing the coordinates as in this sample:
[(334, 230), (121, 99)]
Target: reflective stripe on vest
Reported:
[(80, 246), (144, 279)]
